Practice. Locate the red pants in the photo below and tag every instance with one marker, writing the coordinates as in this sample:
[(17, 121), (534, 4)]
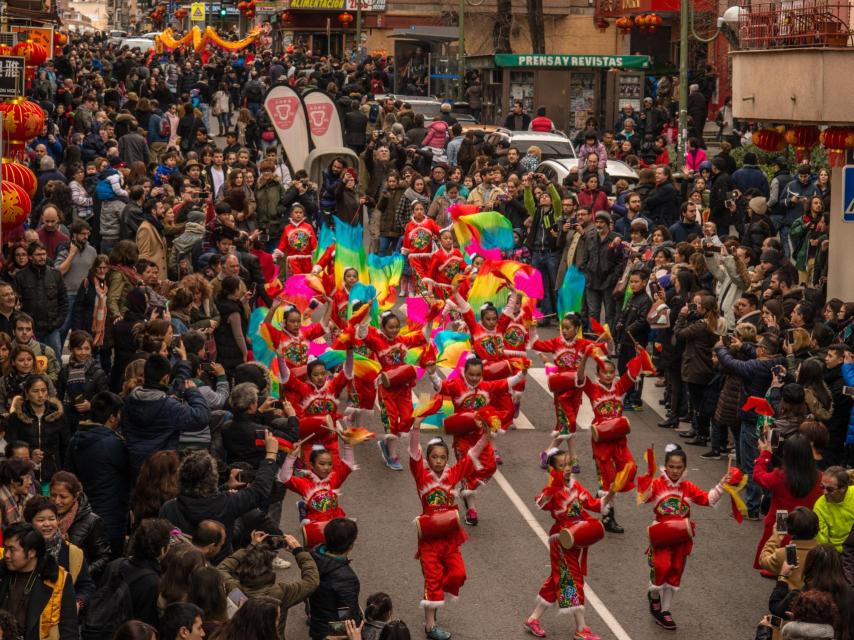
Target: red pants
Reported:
[(443, 568), (362, 393), (610, 458), (396, 409), (298, 265), (567, 405), (486, 460), (565, 584), (667, 563)]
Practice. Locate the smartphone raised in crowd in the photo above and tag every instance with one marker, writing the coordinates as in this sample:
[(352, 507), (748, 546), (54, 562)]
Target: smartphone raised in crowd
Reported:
[(782, 521), (792, 555)]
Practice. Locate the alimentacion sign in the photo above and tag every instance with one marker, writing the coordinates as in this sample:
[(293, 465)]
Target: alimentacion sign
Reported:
[(570, 61)]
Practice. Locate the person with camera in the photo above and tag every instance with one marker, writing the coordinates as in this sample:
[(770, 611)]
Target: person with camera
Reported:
[(722, 196), (251, 571), (200, 498), (74, 260), (806, 234), (632, 331), (800, 526), (240, 435)]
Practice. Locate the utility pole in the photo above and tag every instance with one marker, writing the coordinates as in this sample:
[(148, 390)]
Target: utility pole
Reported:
[(358, 31), (461, 55), (684, 24)]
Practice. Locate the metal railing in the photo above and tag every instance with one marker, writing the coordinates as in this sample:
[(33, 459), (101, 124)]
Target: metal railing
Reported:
[(794, 24)]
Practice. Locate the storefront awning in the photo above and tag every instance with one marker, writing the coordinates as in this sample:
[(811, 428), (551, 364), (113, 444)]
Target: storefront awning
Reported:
[(570, 61), (617, 8), (427, 34)]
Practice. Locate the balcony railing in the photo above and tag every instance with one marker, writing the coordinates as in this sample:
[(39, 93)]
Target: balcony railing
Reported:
[(794, 24)]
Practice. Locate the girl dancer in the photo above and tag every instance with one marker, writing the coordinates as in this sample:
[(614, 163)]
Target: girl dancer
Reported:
[(341, 297), (362, 390), (418, 241), (567, 350), (396, 380), (610, 428), (319, 486), (671, 536), (447, 262), (439, 531), (513, 323), (297, 243), (317, 397), (470, 393), (568, 502), (296, 337)]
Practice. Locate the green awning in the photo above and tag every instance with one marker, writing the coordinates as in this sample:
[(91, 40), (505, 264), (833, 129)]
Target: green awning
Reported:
[(569, 61)]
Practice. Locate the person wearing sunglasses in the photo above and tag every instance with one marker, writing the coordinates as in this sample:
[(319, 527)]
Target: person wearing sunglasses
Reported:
[(835, 509)]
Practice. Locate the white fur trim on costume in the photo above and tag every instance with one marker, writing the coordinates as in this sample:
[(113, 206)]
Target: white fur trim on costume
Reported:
[(468, 492), (564, 610), (451, 597), (552, 451), (541, 600), (432, 604), (655, 587), (670, 586), (389, 436)]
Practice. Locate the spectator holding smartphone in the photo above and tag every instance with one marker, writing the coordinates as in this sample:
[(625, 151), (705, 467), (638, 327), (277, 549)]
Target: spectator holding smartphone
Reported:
[(801, 530)]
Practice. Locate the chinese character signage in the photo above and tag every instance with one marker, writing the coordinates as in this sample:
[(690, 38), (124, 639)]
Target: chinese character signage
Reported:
[(11, 76)]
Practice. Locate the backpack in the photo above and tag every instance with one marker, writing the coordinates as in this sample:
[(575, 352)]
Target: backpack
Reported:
[(165, 129), (112, 604)]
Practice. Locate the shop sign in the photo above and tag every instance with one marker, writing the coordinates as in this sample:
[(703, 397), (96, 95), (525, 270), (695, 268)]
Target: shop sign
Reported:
[(570, 61), (267, 8), (338, 5), (11, 76), (367, 5), (39, 35)]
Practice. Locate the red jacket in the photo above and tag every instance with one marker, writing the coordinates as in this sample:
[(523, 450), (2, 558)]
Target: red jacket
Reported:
[(543, 124)]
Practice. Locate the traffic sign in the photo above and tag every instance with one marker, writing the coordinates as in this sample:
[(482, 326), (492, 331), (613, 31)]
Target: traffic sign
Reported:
[(197, 12), (848, 193)]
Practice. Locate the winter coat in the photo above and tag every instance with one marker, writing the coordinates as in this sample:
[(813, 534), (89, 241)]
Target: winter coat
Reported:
[(152, 245), (338, 589), (718, 211), (848, 377), (697, 366), (95, 381), (186, 512), (387, 207), (604, 263), (43, 296), (755, 375), (632, 326), (50, 433), (228, 351), (39, 601), (287, 593), (270, 212), (437, 135), (838, 423), (794, 207), (801, 232), (727, 410), (751, 176), (730, 284), (662, 204), (87, 531), (129, 220), (153, 420), (189, 244), (99, 459)]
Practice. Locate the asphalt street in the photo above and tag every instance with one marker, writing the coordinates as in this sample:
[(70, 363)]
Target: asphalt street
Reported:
[(507, 557)]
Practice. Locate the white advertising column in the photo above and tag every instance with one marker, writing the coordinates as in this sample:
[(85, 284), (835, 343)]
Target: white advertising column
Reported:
[(840, 268)]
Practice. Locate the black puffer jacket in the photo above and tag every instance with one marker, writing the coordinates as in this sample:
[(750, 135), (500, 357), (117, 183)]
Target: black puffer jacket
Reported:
[(43, 296), (632, 325), (339, 589), (697, 366), (87, 532), (50, 433), (726, 411)]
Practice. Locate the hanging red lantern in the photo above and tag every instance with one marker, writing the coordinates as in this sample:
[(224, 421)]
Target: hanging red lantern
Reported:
[(624, 23), (803, 138), (285, 16), (34, 53), (19, 174), (60, 38), (836, 140), (602, 24), (16, 205), (345, 18), (653, 21), (5, 49), (181, 13), (769, 139), (22, 121)]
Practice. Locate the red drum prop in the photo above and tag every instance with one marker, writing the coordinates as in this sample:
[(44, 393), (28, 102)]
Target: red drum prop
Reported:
[(316, 425), (562, 382), (312, 533), (611, 430), (438, 525), (459, 424), (583, 533), (498, 370), (401, 376), (670, 532)]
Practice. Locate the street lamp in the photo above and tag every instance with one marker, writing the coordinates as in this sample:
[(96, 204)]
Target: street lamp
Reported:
[(726, 24)]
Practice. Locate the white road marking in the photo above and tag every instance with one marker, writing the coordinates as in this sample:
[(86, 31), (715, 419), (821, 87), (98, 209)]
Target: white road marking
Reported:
[(597, 604)]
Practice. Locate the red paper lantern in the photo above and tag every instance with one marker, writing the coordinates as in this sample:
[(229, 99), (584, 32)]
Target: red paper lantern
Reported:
[(624, 23), (769, 139), (803, 138), (16, 206), (345, 18), (836, 140), (19, 174), (34, 53), (60, 38), (22, 121), (5, 50), (602, 24)]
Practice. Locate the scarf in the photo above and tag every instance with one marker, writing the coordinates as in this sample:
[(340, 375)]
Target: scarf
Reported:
[(157, 224), (54, 545), (67, 520), (128, 272), (11, 507), (412, 195), (99, 312), (76, 383)]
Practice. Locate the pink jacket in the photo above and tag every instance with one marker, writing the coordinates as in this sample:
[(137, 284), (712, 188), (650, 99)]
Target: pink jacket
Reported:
[(437, 135), (693, 160)]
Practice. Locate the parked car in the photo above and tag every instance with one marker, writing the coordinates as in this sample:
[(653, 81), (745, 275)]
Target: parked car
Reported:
[(557, 169), (143, 44)]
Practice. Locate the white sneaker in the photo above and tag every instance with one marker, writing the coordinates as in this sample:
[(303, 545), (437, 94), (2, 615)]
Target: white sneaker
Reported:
[(281, 563)]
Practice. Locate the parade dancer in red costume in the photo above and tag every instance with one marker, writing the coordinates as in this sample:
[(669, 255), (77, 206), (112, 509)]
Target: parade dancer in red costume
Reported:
[(439, 532), (396, 380), (566, 350), (296, 337), (418, 237), (319, 487), (297, 243), (568, 502), (513, 324), (317, 397), (341, 297), (671, 536), (610, 428), (446, 264), (470, 393)]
